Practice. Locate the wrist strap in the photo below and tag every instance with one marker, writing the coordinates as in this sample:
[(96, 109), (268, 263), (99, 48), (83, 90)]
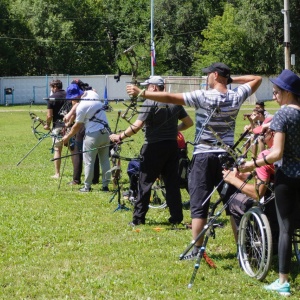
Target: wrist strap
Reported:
[(132, 129), (254, 161), (265, 160)]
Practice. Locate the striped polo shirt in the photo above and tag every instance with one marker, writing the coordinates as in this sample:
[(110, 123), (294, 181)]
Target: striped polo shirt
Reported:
[(225, 107)]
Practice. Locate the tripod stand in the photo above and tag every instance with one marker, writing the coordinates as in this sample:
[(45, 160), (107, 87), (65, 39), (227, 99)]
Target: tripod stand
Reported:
[(209, 228), (116, 170), (228, 160)]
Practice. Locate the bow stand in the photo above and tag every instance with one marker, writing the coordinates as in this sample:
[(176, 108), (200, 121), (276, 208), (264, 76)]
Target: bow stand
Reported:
[(229, 160), (116, 170), (36, 123)]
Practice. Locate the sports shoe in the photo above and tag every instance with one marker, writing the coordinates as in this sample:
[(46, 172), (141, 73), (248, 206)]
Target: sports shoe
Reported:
[(175, 221), (136, 223), (56, 176), (282, 289), (85, 190), (73, 183), (105, 189)]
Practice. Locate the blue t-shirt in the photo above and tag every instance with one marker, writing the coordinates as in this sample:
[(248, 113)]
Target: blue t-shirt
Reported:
[(287, 120)]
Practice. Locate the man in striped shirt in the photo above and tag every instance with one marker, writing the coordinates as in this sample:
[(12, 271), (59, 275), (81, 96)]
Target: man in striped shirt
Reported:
[(216, 110)]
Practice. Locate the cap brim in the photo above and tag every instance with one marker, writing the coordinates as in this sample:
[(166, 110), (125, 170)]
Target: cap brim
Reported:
[(144, 83), (206, 70)]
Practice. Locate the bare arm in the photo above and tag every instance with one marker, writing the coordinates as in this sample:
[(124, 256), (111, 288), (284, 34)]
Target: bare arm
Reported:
[(130, 131), (253, 80), (164, 97), (76, 127), (186, 123), (70, 116), (49, 118), (237, 180), (275, 155)]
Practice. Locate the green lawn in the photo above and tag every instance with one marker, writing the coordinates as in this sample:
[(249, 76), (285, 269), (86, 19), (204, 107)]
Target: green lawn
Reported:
[(57, 243)]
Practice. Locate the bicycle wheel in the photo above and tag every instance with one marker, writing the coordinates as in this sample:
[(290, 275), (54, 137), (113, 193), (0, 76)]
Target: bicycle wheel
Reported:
[(158, 195), (255, 243), (296, 243)]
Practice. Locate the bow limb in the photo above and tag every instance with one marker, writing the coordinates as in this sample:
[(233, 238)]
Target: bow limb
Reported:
[(131, 57), (36, 123)]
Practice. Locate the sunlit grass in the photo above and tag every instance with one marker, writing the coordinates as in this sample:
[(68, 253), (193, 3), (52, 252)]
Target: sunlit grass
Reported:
[(61, 244)]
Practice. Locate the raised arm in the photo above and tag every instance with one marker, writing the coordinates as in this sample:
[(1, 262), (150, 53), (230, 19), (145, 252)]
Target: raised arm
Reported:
[(253, 80), (164, 97)]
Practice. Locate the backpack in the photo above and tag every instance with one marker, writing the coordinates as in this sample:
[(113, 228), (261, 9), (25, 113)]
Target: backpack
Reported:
[(184, 161)]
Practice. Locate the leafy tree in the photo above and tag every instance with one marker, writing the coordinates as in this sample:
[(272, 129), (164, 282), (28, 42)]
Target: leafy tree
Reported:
[(13, 51), (178, 26), (89, 36), (224, 40), (263, 21)]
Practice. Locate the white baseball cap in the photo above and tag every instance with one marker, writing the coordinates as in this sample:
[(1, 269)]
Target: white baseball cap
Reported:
[(157, 80)]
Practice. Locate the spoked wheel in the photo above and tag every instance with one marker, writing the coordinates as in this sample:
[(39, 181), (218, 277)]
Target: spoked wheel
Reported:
[(296, 243), (158, 195), (255, 243)]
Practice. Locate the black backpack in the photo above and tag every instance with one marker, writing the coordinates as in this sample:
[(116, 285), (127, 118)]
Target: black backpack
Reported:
[(183, 168)]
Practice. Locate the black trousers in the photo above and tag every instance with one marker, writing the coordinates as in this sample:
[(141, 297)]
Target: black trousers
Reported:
[(159, 159), (287, 200)]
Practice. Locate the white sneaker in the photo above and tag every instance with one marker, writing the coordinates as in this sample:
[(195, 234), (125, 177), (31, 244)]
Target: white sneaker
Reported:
[(282, 289)]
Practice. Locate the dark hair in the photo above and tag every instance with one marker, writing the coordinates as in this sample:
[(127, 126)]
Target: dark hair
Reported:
[(83, 86), (260, 103), (56, 83)]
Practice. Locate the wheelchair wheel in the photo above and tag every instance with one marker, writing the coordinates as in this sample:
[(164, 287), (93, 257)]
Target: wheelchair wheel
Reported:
[(296, 243), (158, 195), (255, 243)]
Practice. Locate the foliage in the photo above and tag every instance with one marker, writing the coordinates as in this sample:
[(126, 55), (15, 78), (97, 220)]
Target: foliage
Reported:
[(89, 37), (224, 40)]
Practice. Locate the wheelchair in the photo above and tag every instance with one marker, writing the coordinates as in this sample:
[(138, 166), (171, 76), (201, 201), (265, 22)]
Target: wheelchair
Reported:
[(255, 242)]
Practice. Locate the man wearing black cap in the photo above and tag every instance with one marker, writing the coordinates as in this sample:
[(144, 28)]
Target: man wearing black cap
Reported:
[(159, 154), (206, 169)]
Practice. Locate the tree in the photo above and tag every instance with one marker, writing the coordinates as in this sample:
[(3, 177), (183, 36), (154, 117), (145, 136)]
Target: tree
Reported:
[(225, 41)]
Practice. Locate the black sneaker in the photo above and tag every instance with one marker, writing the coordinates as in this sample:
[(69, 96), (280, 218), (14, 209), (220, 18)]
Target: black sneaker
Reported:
[(174, 221), (85, 190), (105, 189)]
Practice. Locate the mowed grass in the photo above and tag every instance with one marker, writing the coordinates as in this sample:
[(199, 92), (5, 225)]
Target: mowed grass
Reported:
[(57, 243)]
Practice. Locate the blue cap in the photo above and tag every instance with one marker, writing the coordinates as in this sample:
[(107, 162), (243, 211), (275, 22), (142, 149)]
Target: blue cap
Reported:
[(73, 91)]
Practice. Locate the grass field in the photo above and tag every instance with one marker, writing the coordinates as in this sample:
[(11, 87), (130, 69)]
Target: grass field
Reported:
[(57, 243)]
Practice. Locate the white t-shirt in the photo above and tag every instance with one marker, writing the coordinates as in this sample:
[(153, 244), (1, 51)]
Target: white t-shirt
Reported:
[(91, 112)]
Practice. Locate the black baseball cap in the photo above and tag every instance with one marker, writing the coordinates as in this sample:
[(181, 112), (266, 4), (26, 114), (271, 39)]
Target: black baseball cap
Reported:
[(219, 67)]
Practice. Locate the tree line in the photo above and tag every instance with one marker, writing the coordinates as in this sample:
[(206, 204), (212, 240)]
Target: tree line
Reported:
[(41, 37)]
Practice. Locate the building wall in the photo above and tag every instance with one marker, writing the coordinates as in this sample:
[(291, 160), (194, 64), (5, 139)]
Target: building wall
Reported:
[(29, 89)]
